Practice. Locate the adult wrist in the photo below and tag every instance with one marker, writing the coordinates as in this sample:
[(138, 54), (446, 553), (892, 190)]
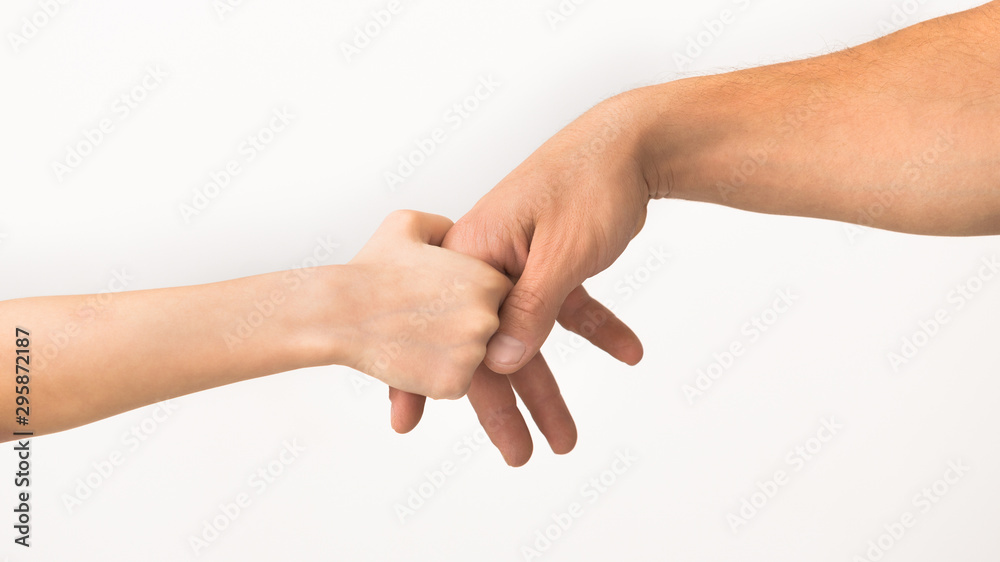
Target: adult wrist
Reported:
[(684, 128), (629, 121)]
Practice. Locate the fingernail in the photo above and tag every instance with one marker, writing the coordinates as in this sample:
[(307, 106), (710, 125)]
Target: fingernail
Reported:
[(505, 350)]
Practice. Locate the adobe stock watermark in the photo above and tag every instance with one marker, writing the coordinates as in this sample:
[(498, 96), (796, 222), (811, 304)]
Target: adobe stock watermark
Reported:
[(418, 496), (794, 461), (257, 482), (103, 469), (591, 492), (625, 288), (291, 281), (123, 107), (84, 315), (31, 25), (756, 158), (904, 14), (454, 119), (956, 300), (361, 382), (225, 7), (561, 13), (366, 32), (696, 44), (419, 321), (610, 131), (247, 152), (910, 172), (923, 501), (751, 332)]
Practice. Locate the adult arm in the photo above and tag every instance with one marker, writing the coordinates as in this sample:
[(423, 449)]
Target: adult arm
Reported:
[(898, 133)]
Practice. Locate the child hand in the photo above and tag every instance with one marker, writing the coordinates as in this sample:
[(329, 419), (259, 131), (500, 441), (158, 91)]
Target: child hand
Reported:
[(422, 315)]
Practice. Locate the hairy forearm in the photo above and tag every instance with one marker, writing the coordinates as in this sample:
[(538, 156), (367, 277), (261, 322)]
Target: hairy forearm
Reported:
[(95, 356), (898, 133)]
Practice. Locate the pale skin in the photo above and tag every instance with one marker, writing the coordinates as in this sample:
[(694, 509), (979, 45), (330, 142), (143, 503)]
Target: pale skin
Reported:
[(899, 134), (404, 310)]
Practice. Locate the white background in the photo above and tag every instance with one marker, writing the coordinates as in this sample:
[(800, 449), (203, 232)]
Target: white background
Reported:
[(859, 293)]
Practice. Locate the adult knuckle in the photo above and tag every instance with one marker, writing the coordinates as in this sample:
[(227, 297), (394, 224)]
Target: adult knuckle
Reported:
[(526, 300)]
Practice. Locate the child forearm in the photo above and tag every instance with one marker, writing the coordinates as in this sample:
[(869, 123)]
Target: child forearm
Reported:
[(92, 357), (403, 310)]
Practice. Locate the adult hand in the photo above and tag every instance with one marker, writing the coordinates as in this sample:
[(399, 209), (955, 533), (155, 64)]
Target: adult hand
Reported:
[(839, 138), (562, 216)]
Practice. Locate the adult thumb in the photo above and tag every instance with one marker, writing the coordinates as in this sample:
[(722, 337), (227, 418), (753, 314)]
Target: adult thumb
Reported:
[(527, 315)]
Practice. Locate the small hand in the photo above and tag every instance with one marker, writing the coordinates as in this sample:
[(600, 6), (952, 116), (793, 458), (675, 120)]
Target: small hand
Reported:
[(423, 314)]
